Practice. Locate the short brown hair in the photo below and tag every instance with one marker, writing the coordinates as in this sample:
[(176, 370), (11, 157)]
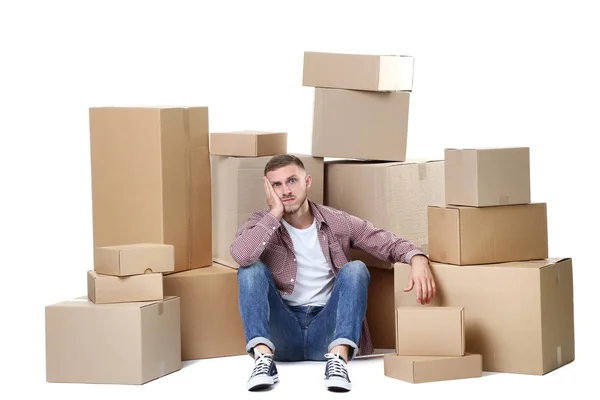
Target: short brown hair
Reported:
[(282, 160)]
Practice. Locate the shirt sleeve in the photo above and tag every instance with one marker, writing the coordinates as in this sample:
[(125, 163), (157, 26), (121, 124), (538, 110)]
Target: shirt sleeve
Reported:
[(253, 237), (380, 243)]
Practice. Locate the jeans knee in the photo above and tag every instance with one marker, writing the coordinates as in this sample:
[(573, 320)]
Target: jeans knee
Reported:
[(252, 273), (357, 270)]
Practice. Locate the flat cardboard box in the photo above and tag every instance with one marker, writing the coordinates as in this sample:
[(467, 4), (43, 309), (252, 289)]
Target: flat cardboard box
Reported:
[(150, 172), (211, 325), (421, 369), (125, 343), (248, 143), (479, 235), (519, 314), (391, 195), (360, 125), (134, 259), (105, 289), (487, 176), (358, 71), (238, 191)]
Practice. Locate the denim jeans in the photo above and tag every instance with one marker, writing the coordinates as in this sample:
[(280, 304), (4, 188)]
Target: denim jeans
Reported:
[(302, 332)]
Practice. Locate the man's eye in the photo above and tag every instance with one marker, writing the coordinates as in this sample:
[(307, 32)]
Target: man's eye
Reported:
[(292, 180), (275, 184)]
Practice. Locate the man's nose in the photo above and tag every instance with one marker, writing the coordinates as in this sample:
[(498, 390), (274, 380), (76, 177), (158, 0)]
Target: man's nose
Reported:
[(286, 189)]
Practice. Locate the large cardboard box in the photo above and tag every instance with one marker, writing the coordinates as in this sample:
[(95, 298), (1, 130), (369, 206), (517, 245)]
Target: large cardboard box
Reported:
[(392, 196), (430, 331), (380, 308), (134, 259), (421, 369), (360, 124), (211, 325), (487, 176), (519, 314), (480, 235), (125, 343), (104, 289), (151, 180), (238, 191), (248, 143), (358, 71)]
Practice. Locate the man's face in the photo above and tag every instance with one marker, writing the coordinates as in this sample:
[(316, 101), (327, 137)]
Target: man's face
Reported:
[(290, 184)]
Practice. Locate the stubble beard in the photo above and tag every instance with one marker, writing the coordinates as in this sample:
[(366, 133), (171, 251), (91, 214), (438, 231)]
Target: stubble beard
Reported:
[(291, 209)]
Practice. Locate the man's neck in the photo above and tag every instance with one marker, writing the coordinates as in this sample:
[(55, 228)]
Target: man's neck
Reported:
[(302, 218)]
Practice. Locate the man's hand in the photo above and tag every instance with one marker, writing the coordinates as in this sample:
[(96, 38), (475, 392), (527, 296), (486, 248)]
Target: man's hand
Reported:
[(422, 279), (273, 201)]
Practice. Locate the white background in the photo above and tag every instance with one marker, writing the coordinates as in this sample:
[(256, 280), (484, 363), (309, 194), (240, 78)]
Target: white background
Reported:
[(513, 73)]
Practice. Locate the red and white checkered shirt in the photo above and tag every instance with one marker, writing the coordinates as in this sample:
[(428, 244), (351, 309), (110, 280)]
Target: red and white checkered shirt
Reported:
[(263, 238)]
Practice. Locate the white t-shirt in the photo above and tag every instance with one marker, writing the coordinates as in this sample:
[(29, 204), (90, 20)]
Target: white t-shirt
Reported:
[(314, 278)]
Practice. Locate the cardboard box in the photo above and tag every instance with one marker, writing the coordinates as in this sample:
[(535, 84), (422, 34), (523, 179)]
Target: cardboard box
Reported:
[(381, 313), (134, 259), (248, 143), (211, 325), (238, 191), (519, 314), (360, 125), (151, 180), (392, 196), (430, 331), (358, 71), (104, 289), (487, 176), (125, 343), (421, 369), (480, 235)]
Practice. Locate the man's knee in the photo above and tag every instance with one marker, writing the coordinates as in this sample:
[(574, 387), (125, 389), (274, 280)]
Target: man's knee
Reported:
[(357, 270), (252, 273)]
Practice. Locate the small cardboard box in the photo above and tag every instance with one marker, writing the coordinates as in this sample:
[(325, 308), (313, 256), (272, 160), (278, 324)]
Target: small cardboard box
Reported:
[(104, 289), (487, 176), (430, 331), (248, 143), (125, 343), (134, 259), (421, 369), (369, 72)]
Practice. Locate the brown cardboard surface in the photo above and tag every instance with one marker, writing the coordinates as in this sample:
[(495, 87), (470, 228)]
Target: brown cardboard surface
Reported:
[(238, 191), (477, 235), (248, 143), (151, 181), (430, 331), (360, 124), (134, 259), (391, 195), (104, 289), (358, 71), (211, 325), (421, 369), (380, 308), (124, 343), (519, 314), (487, 176)]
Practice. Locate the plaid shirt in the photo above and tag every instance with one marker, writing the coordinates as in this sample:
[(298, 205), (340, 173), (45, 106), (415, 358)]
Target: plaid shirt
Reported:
[(263, 238)]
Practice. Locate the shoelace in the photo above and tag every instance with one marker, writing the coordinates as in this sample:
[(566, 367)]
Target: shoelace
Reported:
[(336, 366), (262, 365)]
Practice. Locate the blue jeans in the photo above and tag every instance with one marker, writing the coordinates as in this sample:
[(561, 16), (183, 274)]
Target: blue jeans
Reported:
[(303, 332)]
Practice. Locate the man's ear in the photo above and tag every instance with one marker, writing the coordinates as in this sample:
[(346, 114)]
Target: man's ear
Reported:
[(308, 181)]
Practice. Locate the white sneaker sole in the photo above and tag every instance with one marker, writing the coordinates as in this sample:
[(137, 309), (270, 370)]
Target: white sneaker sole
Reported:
[(261, 382), (338, 384)]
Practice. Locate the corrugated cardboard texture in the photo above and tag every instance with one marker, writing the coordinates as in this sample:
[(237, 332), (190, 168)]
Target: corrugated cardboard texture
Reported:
[(125, 343), (358, 71), (420, 369), (151, 180), (519, 314), (360, 124), (248, 143), (238, 191), (380, 308), (211, 325), (104, 289), (487, 176), (134, 259), (479, 235), (393, 196), (430, 331)]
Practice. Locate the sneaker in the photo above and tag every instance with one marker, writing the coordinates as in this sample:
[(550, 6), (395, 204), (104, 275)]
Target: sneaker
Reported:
[(336, 374), (264, 373)]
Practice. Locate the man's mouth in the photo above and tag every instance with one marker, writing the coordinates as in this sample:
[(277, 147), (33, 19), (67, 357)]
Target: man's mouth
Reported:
[(289, 200)]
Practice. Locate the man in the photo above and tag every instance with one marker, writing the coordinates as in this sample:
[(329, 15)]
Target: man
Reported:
[(300, 295)]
